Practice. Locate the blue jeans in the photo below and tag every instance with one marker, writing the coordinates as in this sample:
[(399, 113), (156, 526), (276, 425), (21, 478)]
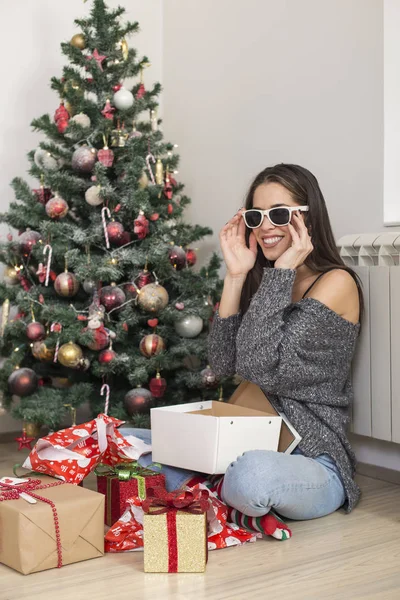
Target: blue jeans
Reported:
[(296, 487)]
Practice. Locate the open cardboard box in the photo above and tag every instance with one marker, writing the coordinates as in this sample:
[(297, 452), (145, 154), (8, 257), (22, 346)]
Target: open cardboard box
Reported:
[(207, 436), (251, 396)]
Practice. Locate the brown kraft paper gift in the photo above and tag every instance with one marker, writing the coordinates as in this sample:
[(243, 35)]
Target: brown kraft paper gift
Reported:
[(27, 532)]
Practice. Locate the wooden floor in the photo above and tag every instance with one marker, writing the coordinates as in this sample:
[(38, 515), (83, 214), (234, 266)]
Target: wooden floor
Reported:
[(340, 556)]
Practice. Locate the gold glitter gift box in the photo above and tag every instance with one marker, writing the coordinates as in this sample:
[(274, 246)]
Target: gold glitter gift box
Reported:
[(175, 531)]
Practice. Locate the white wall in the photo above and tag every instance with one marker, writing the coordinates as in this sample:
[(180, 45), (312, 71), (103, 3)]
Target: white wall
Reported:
[(30, 35), (249, 84)]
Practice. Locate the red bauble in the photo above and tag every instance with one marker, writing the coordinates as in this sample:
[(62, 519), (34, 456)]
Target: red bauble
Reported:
[(23, 382), (35, 331), (152, 322), (62, 125), (151, 345), (130, 290), (125, 239), (27, 240), (144, 278), (141, 92), (117, 87), (115, 231), (43, 194), (100, 340), (56, 208), (137, 401), (26, 284), (170, 209), (111, 297), (61, 113), (168, 191), (108, 111), (141, 226), (106, 356), (191, 257), (154, 217), (157, 386), (106, 157), (177, 257)]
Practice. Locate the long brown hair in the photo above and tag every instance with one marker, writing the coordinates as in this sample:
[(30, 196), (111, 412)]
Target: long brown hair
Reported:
[(305, 190)]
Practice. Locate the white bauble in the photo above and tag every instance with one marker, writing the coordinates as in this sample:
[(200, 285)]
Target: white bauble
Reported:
[(45, 160), (189, 327), (123, 99), (92, 195), (81, 119)]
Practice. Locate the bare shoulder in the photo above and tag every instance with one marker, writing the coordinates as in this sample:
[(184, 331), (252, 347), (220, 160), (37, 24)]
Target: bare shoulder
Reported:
[(338, 290)]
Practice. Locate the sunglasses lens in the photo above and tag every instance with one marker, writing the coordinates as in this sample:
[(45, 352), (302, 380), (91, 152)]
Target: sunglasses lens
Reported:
[(280, 216), (253, 218)]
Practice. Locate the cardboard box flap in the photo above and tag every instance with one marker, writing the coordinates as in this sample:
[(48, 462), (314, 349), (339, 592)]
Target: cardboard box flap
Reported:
[(249, 395), (223, 409)]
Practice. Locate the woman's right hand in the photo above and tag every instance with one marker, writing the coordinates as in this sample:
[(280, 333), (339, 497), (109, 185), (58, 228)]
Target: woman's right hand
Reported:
[(239, 259)]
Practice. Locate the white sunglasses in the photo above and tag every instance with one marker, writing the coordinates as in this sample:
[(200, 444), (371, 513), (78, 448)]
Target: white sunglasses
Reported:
[(279, 216)]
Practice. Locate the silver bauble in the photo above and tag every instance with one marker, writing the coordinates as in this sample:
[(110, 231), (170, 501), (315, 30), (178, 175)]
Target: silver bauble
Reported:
[(92, 196), (81, 119), (123, 99), (89, 286), (189, 327), (44, 160)]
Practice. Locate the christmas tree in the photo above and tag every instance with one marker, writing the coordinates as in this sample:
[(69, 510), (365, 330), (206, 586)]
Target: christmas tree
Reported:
[(110, 308)]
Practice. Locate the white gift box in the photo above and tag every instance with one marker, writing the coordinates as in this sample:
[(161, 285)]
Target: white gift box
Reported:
[(207, 436)]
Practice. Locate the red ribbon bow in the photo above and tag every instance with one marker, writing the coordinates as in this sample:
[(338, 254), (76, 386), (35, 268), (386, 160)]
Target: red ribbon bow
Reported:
[(159, 501)]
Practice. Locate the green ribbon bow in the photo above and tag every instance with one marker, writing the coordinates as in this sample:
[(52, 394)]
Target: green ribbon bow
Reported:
[(127, 471)]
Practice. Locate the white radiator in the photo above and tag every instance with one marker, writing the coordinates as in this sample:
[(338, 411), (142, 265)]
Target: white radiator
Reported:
[(376, 367)]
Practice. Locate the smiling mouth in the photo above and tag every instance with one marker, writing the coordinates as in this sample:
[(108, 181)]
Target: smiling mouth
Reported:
[(271, 242)]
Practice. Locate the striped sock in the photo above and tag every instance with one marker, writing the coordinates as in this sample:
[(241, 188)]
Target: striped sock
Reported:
[(269, 524)]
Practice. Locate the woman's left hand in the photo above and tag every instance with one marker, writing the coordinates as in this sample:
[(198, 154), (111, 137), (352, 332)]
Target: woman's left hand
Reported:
[(301, 246)]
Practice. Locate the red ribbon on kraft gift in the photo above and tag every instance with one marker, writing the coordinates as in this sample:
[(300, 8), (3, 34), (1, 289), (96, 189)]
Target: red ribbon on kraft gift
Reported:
[(159, 502)]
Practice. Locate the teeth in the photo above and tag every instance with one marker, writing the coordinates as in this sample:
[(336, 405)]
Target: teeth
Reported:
[(270, 241)]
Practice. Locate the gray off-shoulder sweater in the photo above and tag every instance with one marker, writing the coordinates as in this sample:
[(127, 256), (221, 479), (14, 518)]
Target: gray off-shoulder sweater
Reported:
[(300, 355)]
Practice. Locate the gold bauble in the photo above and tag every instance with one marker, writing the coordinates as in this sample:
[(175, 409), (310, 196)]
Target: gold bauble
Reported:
[(78, 41), (159, 172), (10, 276), (143, 181), (125, 49), (153, 297), (69, 108), (42, 352), (32, 429), (61, 383), (69, 355)]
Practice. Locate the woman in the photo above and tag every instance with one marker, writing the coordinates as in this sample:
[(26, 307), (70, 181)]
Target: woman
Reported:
[(288, 321)]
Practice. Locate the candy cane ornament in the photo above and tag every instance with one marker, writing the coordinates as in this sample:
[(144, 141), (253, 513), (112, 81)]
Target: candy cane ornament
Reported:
[(105, 211), (106, 390), (57, 327), (151, 158), (48, 249)]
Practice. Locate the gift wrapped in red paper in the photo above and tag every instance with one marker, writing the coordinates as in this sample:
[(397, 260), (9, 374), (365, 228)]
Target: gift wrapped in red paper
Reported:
[(123, 481), (71, 454), (127, 533)]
